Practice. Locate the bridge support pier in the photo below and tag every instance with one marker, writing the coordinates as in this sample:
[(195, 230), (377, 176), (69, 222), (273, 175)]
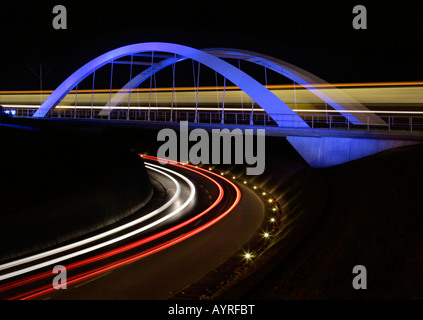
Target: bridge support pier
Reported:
[(321, 152)]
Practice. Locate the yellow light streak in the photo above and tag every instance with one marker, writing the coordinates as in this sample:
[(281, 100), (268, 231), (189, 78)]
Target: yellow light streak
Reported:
[(207, 88)]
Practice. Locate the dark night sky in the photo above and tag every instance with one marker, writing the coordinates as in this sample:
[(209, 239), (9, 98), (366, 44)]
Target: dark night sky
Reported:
[(318, 37)]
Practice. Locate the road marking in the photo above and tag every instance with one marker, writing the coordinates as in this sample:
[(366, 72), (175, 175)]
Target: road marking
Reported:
[(91, 280)]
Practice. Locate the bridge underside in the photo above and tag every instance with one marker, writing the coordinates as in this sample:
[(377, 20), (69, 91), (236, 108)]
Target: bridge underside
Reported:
[(321, 152), (320, 148)]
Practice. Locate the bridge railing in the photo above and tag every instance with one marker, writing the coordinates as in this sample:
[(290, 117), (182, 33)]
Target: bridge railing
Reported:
[(394, 122)]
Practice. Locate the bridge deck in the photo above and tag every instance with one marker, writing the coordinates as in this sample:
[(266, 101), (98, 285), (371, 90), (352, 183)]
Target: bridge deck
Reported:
[(372, 133)]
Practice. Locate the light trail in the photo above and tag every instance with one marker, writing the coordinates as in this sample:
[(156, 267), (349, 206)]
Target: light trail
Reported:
[(384, 93), (145, 253), (227, 109), (208, 88), (135, 257), (394, 98), (101, 235)]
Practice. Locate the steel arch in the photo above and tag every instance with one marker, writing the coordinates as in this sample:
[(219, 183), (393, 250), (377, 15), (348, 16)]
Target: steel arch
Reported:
[(266, 99), (296, 74), (303, 78)]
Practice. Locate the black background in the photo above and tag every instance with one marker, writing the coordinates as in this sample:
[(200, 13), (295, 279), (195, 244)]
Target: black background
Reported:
[(316, 36)]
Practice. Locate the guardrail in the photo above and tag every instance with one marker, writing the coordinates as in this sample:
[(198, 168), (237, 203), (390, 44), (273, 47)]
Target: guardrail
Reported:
[(408, 123)]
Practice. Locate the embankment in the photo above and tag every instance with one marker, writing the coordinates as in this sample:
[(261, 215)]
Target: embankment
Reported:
[(56, 186)]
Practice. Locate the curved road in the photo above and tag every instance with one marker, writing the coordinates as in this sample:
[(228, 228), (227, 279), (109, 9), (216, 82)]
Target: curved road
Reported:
[(182, 254)]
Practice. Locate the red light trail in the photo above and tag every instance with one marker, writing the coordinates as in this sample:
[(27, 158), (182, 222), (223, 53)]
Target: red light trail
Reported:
[(97, 271)]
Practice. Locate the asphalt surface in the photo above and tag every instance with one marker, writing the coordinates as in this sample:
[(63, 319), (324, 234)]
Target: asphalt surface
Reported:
[(171, 270), (166, 272)]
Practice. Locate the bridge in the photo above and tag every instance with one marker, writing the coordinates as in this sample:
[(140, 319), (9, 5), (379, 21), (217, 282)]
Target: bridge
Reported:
[(334, 130)]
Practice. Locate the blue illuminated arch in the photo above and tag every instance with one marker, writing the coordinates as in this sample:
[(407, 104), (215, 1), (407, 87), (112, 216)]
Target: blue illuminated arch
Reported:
[(305, 79), (283, 115), (294, 73)]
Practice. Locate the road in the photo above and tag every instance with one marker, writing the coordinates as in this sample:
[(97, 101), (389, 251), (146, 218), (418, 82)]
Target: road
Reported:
[(182, 248)]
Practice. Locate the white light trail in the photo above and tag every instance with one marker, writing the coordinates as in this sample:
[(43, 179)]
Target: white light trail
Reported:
[(102, 235), (206, 109)]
